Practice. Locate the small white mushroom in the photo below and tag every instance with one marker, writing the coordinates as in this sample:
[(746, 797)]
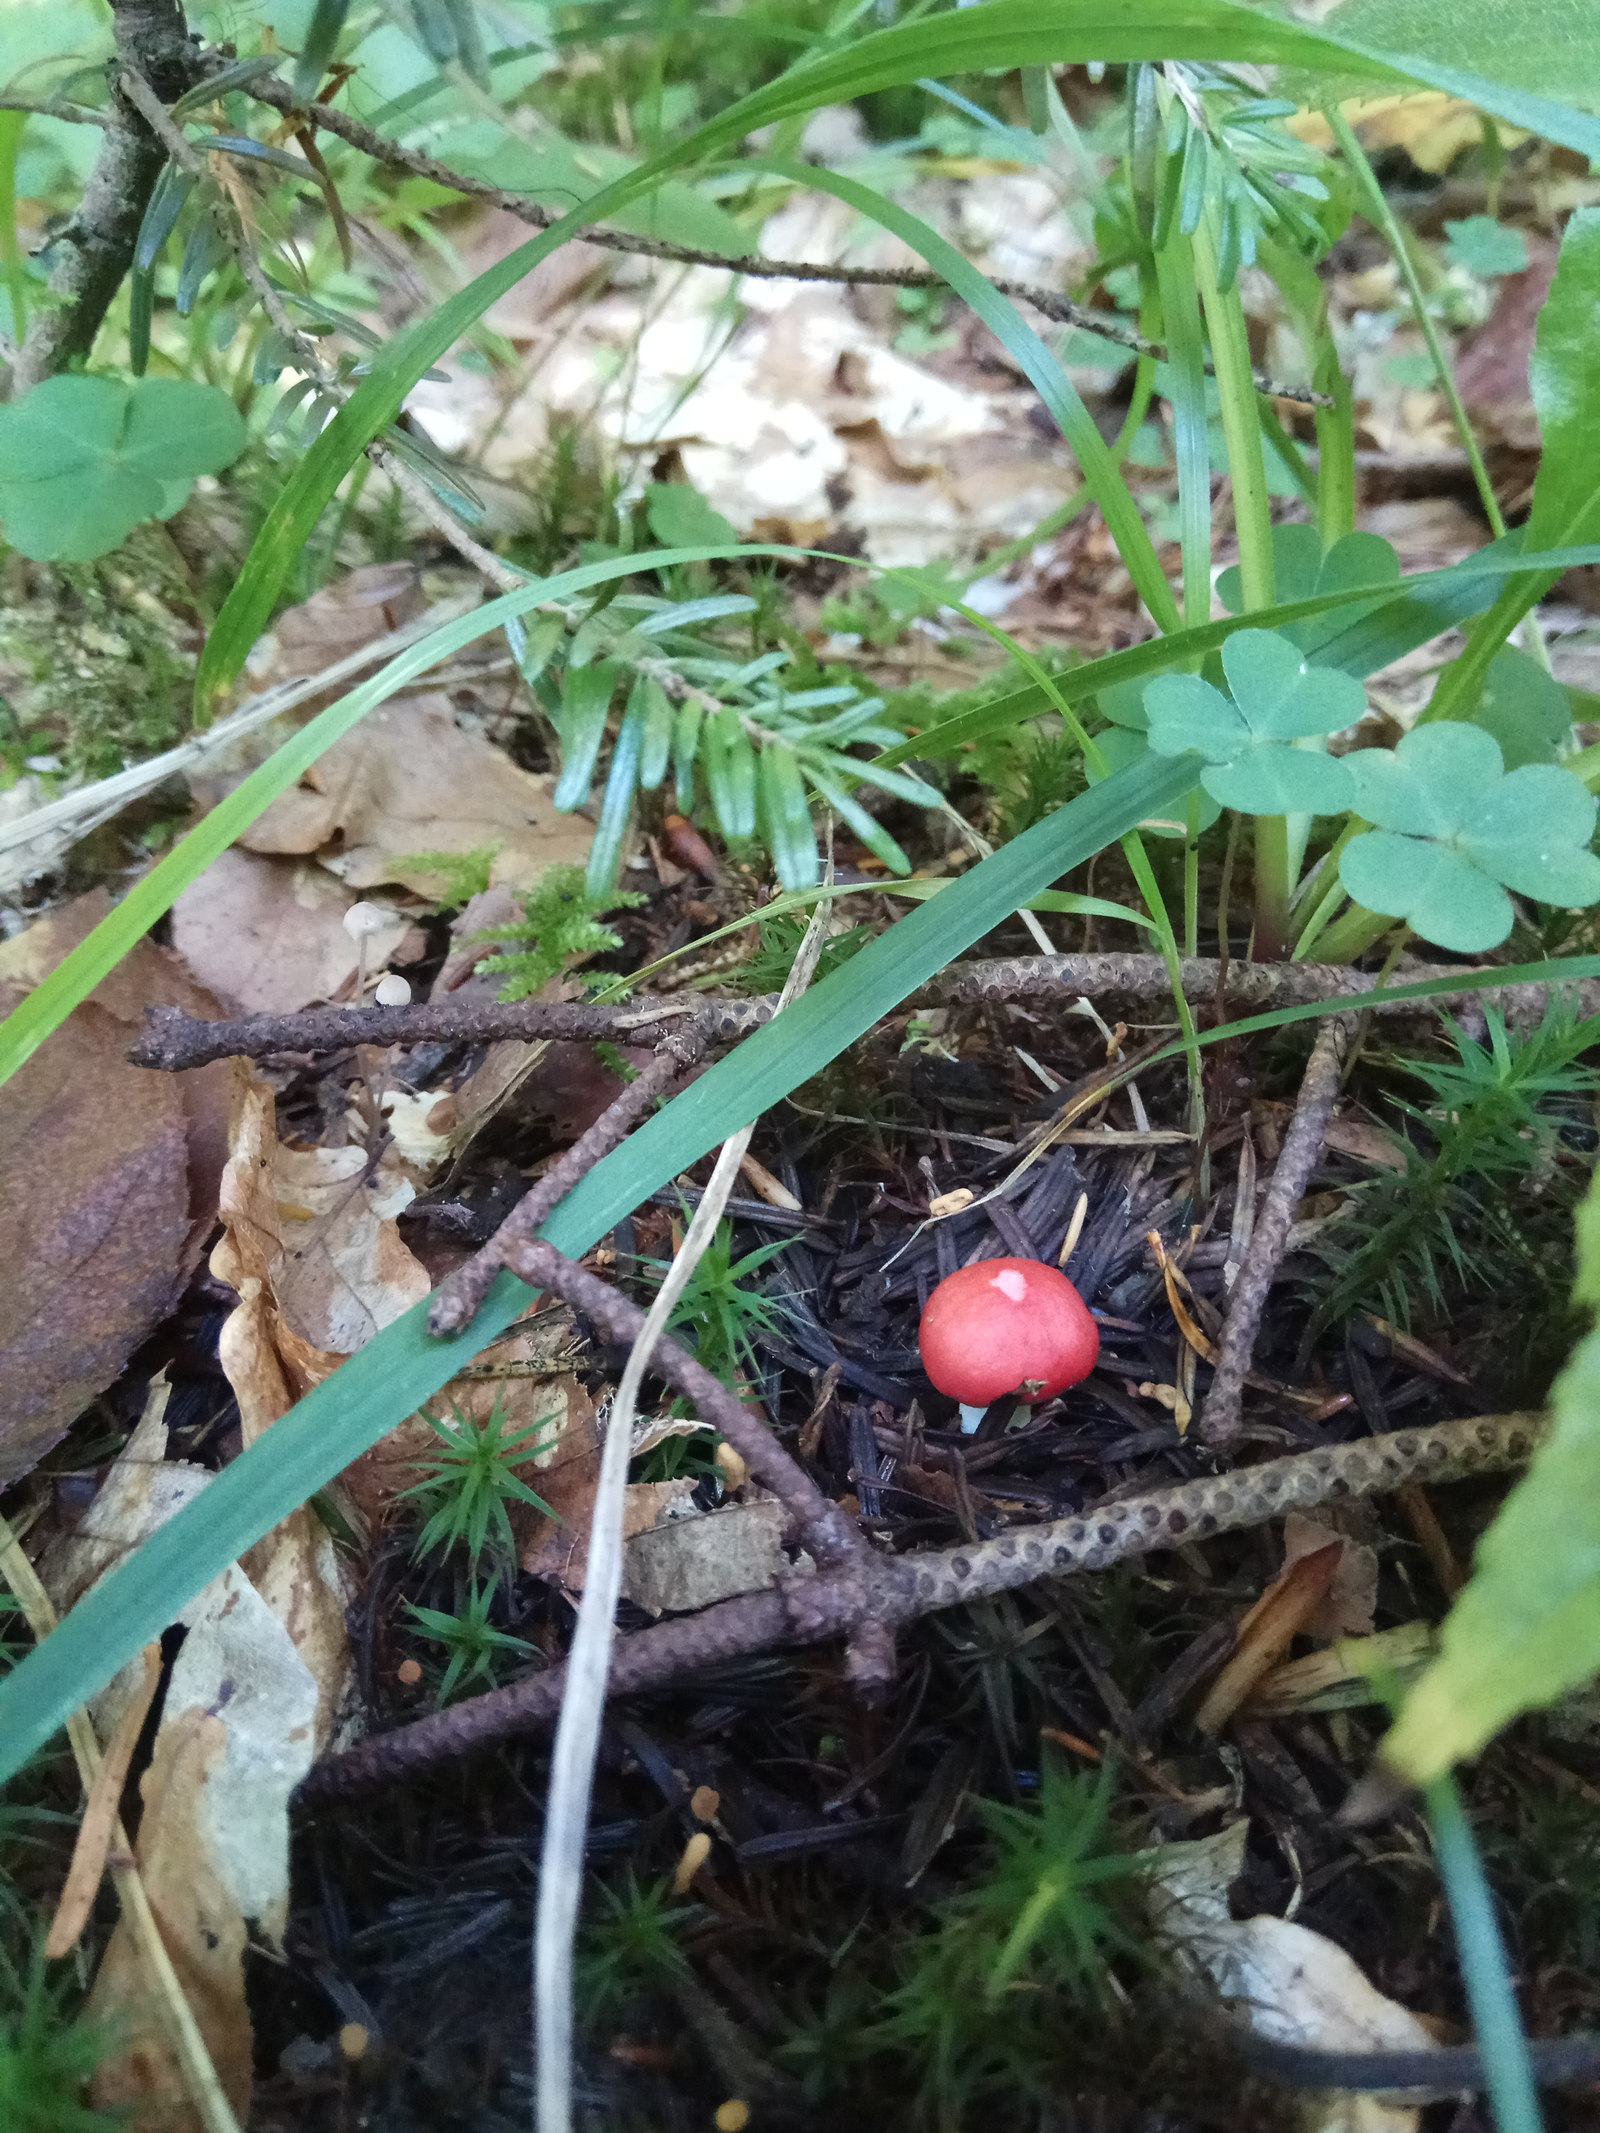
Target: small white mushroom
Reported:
[(362, 921), (392, 991)]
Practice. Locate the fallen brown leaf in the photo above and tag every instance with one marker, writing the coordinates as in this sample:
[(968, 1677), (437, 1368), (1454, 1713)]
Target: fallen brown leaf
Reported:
[(205, 1936), (94, 1174), (411, 778), (1281, 1613), (268, 935)]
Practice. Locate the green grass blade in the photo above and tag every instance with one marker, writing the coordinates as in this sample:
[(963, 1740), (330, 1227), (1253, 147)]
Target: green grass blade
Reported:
[(73, 979), (1405, 613), (402, 1367)]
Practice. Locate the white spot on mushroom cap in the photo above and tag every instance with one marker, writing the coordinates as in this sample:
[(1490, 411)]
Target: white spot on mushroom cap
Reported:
[(1011, 1284)]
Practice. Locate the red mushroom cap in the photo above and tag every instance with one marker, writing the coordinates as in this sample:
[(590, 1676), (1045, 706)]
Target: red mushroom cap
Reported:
[(1007, 1326)]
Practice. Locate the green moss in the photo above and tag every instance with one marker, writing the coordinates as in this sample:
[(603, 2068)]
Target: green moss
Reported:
[(95, 658)]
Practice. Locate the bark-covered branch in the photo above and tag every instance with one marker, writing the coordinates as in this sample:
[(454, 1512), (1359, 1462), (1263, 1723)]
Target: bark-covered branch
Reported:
[(891, 1590), (93, 253)]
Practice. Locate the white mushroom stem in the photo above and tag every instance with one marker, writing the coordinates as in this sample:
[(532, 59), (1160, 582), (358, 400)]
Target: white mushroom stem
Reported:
[(971, 1416)]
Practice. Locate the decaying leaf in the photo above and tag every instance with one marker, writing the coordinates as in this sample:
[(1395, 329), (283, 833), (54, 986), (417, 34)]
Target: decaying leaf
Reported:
[(411, 778), (1287, 1982), (205, 1936), (244, 1713), (312, 1231), (268, 935), (108, 1176), (1286, 1607), (691, 1558)]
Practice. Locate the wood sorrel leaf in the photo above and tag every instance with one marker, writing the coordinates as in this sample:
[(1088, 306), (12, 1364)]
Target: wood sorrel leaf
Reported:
[(85, 460), (1277, 698), (1454, 830)]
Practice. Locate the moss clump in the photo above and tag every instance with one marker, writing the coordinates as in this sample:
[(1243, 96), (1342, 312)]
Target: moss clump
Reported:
[(95, 658)]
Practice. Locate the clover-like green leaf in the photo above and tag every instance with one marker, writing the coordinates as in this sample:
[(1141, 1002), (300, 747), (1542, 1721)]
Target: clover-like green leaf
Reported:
[(1455, 830), (1119, 746), (85, 460), (1525, 708), (1276, 699), (1301, 570)]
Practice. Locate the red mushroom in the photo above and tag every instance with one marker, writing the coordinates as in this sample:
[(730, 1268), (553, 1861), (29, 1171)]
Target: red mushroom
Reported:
[(1006, 1326)]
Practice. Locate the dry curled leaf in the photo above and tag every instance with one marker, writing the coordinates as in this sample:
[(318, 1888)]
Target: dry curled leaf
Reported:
[(413, 779)]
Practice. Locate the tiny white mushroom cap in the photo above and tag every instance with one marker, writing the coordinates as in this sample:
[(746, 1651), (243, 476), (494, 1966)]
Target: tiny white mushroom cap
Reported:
[(363, 920), (392, 991)]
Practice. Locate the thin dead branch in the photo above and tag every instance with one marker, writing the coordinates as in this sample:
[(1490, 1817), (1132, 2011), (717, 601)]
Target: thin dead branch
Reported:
[(1302, 1144), (1049, 302), (810, 1609)]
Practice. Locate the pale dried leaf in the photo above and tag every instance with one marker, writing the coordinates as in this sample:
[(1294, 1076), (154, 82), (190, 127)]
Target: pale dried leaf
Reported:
[(1287, 1982), (205, 1935), (1352, 1598), (681, 1563)]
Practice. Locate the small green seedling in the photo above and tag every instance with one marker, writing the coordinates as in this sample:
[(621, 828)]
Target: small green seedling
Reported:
[(471, 1480), (471, 1639)]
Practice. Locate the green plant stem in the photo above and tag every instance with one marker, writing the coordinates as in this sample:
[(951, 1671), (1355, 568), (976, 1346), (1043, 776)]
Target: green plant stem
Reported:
[(1180, 318), (1354, 933), (1385, 221), (1485, 1973), (11, 125), (1252, 518), (1336, 447)]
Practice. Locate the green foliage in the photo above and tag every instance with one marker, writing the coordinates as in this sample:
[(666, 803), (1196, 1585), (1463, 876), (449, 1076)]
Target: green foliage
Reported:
[(1450, 1221), (1017, 1952), (1455, 830), (631, 1942), (730, 731), (724, 1318), (1246, 738), (780, 935), (1227, 155), (475, 1647), (462, 875), (1485, 247), (84, 460), (1524, 708), (679, 516), (560, 921), (46, 2058), (1526, 1628), (469, 1483)]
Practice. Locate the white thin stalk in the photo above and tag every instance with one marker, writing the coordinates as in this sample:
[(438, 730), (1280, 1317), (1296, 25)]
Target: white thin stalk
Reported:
[(589, 1664)]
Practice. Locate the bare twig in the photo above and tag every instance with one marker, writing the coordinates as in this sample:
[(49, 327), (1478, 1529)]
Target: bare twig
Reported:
[(1302, 1144), (819, 1523), (502, 576), (95, 250), (809, 1610), (174, 1039), (457, 1300), (72, 114), (382, 149)]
